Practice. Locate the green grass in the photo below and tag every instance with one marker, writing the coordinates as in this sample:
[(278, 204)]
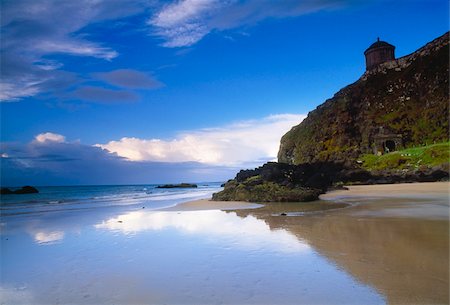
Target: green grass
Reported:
[(410, 158)]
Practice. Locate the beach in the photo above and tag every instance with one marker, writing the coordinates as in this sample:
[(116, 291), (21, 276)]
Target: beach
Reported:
[(379, 244)]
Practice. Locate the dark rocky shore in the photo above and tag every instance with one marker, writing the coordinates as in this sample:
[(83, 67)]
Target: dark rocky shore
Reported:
[(280, 182)]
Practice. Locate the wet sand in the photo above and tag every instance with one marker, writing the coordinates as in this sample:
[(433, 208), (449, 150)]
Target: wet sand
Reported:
[(207, 204), (394, 238), (369, 245)]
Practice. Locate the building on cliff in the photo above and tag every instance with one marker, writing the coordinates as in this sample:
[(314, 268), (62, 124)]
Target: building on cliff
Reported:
[(386, 141), (378, 53)]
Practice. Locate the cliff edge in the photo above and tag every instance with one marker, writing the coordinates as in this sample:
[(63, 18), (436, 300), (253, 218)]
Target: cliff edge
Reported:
[(398, 104)]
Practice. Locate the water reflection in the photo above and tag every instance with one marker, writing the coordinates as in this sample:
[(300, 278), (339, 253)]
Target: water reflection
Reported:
[(382, 243), (48, 238), (248, 232), (149, 257)]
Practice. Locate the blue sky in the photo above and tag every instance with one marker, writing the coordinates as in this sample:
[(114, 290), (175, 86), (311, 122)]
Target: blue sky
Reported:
[(194, 83)]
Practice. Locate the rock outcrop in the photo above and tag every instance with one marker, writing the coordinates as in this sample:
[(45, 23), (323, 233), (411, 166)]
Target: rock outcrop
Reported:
[(181, 185), (280, 182), (407, 97), (24, 190)]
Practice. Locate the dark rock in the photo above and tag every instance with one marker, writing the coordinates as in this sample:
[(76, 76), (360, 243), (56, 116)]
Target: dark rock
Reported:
[(6, 191), (181, 185), (24, 190), (354, 175)]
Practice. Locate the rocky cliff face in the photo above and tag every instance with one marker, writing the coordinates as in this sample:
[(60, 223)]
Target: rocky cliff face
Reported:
[(408, 97)]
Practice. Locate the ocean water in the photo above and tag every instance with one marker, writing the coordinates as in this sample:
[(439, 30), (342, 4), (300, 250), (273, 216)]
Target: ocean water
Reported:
[(54, 198)]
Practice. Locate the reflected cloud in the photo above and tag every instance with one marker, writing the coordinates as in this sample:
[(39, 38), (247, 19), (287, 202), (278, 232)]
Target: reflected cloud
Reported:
[(248, 232), (48, 238)]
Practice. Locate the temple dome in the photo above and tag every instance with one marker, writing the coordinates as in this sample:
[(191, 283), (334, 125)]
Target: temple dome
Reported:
[(379, 44), (378, 53)]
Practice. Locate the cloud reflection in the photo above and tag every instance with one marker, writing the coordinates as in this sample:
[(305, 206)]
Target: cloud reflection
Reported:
[(48, 238), (248, 232)]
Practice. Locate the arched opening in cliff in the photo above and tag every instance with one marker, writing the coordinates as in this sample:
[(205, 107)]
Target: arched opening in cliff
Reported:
[(389, 146)]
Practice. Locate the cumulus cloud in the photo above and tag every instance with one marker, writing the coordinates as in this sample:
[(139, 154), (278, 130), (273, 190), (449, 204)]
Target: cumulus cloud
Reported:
[(213, 154), (234, 144), (128, 78), (71, 163), (183, 23), (50, 137)]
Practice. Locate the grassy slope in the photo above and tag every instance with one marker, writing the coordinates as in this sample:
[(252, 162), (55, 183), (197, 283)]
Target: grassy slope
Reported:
[(410, 158)]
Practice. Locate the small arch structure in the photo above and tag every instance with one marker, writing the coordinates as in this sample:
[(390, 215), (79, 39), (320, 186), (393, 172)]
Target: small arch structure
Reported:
[(385, 142)]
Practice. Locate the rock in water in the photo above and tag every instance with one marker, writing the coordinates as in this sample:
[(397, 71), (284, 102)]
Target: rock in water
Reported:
[(24, 190), (5, 191), (181, 185)]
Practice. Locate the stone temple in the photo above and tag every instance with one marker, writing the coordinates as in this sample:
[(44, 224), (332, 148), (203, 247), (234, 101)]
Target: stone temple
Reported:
[(379, 52)]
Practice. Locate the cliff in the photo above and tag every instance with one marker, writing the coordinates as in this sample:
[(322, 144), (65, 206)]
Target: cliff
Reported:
[(398, 104), (405, 100)]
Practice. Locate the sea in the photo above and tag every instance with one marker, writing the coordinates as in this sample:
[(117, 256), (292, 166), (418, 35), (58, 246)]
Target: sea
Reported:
[(57, 198)]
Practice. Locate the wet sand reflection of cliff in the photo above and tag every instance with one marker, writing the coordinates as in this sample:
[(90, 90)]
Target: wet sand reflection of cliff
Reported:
[(404, 258)]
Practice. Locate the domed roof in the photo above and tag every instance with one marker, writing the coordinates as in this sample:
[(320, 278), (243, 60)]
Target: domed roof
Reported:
[(378, 44)]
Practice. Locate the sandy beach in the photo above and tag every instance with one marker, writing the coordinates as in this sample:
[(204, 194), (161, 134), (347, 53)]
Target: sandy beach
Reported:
[(380, 244), (394, 237), (207, 204), (405, 190)]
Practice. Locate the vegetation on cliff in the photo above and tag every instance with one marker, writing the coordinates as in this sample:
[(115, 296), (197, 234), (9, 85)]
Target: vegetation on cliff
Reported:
[(408, 97), (410, 159)]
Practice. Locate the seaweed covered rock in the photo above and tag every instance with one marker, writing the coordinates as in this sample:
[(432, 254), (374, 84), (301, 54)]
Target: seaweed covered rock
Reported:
[(278, 182), (256, 190)]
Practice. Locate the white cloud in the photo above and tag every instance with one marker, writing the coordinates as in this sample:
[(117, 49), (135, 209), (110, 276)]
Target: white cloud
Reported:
[(50, 137), (76, 47), (33, 30), (183, 23), (14, 90), (234, 144)]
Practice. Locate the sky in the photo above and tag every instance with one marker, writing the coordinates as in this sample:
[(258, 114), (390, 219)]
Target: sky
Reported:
[(148, 91)]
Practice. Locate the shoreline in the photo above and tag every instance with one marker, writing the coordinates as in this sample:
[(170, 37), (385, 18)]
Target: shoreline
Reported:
[(404, 190), (397, 190), (208, 204)]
